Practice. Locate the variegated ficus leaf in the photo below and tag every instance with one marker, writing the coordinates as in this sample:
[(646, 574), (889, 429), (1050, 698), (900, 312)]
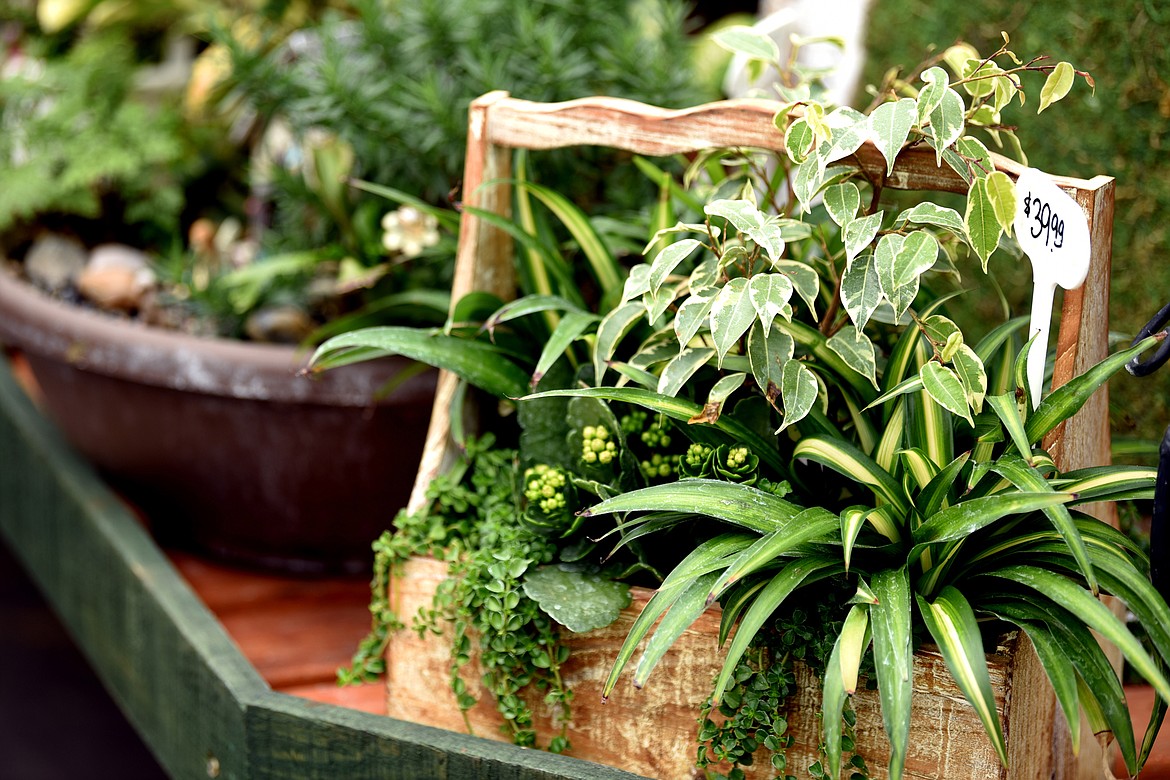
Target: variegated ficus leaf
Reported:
[(859, 233), (933, 214), (769, 349), (842, 202), (855, 348), (732, 314), (769, 294), (860, 290), (799, 389), (889, 127), (983, 229), (669, 259), (945, 387), (804, 280), (692, 314)]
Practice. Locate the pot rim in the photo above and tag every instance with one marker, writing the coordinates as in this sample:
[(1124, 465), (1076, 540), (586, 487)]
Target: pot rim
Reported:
[(89, 340)]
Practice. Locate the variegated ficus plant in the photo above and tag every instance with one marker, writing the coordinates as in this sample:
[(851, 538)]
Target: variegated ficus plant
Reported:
[(809, 413)]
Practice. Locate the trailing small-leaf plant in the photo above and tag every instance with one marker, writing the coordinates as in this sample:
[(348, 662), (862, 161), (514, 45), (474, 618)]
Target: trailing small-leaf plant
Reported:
[(778, 392)]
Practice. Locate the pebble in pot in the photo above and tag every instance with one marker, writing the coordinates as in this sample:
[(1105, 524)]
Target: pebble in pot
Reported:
[(116, 277), (54, 262)]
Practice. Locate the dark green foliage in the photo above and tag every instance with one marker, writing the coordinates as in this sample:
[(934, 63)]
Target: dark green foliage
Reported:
[(395, 80)]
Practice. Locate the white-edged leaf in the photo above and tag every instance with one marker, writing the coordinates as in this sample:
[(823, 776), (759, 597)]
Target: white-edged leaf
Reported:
[(945, 387), (742, 214), (799, 389), (917, 256), (723, 389), (884, 260), (850, 131), (860, 232), (799, 140), (804, 280), (613, 327), (927, 213), (637, 283), (808, 180), (842, 202), (1001, 191), (861, 292), (855, 348), (1057, 85), (684, 365), (732, 314), (658, 301), (983, 229), (668, 259), (705, 275), (972, 374), (891, 622), (741, 39), (946, 122), (937, 82), (889, 127), (769, 294), (768, 350), (692, 314)]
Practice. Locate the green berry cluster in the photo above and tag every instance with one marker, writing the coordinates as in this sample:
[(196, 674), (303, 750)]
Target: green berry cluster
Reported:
[(659, 466), (597, 445), (544, 486)]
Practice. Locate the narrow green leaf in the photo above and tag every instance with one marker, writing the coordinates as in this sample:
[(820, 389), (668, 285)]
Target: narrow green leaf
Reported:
[(605, 266), (707, 557), (1066, 400), (685, 611), (891, 622), (851, 462), (801, 571), (481, 364), (952, 624), (966, 517), (1056, 86), (933, 497), (835, 688), (809, 525), (568, 330), (1092, 613), (732, 502)]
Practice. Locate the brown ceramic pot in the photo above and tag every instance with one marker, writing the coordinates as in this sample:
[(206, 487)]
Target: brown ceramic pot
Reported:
[(225, 447)]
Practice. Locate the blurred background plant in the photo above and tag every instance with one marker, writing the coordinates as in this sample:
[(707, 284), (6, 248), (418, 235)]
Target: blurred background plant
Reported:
[(221, 138)]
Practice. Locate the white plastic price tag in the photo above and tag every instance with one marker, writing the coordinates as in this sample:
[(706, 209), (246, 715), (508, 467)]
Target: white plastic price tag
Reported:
[(1053, 231)]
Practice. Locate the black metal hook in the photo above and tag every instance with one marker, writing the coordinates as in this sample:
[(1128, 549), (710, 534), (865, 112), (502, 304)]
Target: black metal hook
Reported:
[(1143, 368), (1159, 533)]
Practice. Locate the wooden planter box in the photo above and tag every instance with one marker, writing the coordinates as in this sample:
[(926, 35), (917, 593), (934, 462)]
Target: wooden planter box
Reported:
[(652, 732)]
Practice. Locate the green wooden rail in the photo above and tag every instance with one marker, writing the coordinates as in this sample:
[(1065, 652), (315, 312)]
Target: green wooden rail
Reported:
[(167, 661)]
